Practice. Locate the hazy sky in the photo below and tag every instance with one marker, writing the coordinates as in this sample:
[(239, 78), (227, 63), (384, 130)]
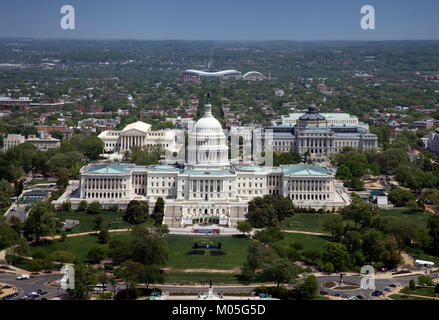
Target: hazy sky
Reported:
[(221, 19)]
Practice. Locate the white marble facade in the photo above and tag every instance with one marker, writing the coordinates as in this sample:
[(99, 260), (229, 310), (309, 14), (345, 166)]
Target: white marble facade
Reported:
[(207, 187)]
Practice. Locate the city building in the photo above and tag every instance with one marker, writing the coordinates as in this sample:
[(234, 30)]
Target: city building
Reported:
[(66, 131), (12, 140), (20, 102), (44, 143), (314, 135), (207, 187), (139, 134)]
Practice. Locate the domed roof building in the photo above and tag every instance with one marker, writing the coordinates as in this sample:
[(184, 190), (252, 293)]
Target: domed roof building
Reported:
[(312, 118), (207, 143)]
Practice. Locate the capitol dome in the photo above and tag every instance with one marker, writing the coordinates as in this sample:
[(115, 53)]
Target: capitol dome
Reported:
[(208, 123), (207, 143)]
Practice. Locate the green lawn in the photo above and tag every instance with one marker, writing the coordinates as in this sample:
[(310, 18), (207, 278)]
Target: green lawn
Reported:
[(420, 218), (40, 181), (235, 249), (309, 242), (304, 222), (77, 245), (197, 277), (428, 292), (112, 220), (404, 297)]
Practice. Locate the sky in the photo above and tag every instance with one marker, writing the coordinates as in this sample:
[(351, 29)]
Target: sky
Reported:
[(303, 20)]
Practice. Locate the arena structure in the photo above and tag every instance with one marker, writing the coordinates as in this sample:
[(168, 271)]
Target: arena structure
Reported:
[(253, 75), (195, 75)]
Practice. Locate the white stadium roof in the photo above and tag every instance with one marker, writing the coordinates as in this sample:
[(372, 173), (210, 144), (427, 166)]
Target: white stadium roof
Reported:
[(212, 74)]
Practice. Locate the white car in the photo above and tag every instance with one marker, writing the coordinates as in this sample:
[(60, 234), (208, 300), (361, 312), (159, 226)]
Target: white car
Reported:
[(23, 276)]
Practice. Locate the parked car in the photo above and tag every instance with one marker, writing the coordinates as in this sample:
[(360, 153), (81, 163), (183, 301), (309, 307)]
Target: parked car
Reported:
[(360, 297), (23, 276)]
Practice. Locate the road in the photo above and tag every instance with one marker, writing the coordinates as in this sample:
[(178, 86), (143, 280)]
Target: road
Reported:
[(40, 282), (26, 286)]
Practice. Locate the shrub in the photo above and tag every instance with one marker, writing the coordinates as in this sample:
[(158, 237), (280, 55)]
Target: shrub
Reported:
[(82, 206), (94, 208)]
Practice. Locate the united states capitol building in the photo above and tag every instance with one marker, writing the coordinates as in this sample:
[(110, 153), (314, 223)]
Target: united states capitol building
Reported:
[(207, 186)]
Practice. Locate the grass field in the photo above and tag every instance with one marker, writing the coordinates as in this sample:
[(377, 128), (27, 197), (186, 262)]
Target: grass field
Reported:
[(76, 245), (197, 277), (404, 297), (235, 249), (40, 181), (428, 292), (312, 222), (420, 218), (309, 242), (112, 220), (304, 222)]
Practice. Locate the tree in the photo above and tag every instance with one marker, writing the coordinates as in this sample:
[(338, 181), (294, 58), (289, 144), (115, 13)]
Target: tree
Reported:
[(62, 256), (98, 223), (91, 147), (412, 285), (355, 184), (307, 289), (343, 173), (7, 234), (269, 235), (94, 208), (159, 211), (424, 280), (399, 197), (373, 245), (137, 212), (104, 236), (390, 256), (433, 232), (85, 280), (267, 211), (41, 221), (336, 254), (131, 273), (334, 225), (359, 211), (63, 177), (18, 186), (63, 236), (258, 255), (147, 246), (96, 253), (82, 207), (280, 270), (244, 227)]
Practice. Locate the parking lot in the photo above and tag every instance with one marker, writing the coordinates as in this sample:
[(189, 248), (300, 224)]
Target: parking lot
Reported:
[(26, 287)]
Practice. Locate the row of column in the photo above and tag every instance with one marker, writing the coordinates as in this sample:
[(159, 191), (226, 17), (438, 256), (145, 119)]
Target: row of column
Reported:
[(308, 185), (316, 143), (104, 184), (200, 186), (127, 142)]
